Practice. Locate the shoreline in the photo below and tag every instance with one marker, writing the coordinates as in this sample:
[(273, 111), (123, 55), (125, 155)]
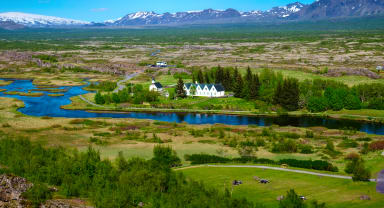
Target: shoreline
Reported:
[(367, 119)]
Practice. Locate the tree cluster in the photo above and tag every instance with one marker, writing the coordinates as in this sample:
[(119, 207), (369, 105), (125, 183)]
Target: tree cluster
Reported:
[(109, 184), (134, 94)]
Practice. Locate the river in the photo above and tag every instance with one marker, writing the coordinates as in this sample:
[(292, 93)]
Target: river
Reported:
[(50, 106)]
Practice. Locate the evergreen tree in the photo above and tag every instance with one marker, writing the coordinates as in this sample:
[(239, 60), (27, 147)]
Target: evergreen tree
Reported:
[(278, 92), (99, 99), (287, 94), (248, 84), (254, 87), (219, 75), (234, 78), (200, 77), (180, 92), (227, 82), (239, 86), (207, 78)]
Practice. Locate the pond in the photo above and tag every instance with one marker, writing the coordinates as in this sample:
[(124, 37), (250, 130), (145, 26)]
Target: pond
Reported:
[(50, 106)]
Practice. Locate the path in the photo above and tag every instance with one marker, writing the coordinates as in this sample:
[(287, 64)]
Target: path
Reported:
[(120, 85), (89, 102), (281, 169)]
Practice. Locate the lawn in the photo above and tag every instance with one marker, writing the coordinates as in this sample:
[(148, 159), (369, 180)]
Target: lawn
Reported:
[(335, 192), (301, 76)]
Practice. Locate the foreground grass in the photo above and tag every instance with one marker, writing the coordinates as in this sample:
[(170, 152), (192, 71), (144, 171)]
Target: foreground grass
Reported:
[(335, 192)]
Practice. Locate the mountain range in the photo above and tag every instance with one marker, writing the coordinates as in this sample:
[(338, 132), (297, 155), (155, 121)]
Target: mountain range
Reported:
[(320, 9)]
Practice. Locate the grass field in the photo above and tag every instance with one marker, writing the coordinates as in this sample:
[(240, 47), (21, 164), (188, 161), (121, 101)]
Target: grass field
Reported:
[(302, 75), (337, 193)]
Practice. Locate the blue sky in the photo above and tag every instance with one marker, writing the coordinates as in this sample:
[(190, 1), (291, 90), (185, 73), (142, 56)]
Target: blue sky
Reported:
[(100, 10)]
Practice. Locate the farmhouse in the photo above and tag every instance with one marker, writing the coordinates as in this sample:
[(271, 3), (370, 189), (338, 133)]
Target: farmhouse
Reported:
[(204, 90), (161, 64), (155, 86)]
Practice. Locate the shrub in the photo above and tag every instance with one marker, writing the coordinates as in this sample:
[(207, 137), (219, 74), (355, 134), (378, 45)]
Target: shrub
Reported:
[(309, 164), (306, 149), (287, 145), (375, 146), (205, 158), (317, 104), (38, 194)]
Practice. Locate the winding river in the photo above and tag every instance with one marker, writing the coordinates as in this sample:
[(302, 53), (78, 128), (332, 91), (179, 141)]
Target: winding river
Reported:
[(50, 106)]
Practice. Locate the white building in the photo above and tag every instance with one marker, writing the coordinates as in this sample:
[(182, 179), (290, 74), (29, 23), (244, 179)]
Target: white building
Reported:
[(155, 86), (161, 64), (204, 90)]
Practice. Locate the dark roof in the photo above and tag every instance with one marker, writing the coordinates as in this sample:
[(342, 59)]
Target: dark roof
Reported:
[(218, 87), (158, 85)]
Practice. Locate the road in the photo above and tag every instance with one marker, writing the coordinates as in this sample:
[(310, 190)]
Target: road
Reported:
[(120, 85), (283, 169)]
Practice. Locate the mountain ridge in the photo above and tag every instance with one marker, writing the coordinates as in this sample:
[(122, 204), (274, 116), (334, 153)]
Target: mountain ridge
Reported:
[(320, 9)]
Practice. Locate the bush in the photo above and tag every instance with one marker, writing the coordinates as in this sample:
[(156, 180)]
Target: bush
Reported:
[(205, 158), (287, 145), (306, 149), (317, 104), (309, 164), (38, 194), (375, 146)]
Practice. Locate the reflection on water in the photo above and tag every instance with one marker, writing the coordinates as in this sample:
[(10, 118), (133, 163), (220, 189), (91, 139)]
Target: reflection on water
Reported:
[(50, 106)]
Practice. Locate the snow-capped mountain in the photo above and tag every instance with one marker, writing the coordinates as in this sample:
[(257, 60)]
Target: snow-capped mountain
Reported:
[(152, 18), (34, 20), (320, 9)]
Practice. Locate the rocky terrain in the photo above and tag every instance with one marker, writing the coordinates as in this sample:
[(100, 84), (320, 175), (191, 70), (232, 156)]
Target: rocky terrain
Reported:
[(11, 195)]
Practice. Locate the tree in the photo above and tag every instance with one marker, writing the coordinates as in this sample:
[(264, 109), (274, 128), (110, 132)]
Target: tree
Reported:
[(219, 75), (357, 168), (207, 78), (317, 104), (180, 92), (248, 84), (291, 200), (200, 77), (239, 85), (165, 156), (287, 94), (99, 99), (254, 87), (352, 102), (360, 173), (227, 82)]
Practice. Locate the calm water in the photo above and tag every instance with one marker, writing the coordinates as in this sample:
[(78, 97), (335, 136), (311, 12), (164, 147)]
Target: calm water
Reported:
[(50, 106)]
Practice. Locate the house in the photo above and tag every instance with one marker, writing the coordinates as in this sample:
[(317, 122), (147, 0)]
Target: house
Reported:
[(161, 64), (380, 68), (204, 90), (155, 86)]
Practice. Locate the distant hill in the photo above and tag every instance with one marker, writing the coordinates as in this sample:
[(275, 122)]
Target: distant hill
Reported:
[(324, 9)]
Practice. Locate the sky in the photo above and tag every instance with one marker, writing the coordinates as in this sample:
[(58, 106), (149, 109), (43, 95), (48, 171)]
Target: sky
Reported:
[(101, 10)]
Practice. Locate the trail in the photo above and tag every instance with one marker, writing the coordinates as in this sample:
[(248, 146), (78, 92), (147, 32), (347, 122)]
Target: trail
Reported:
[(120, 85)]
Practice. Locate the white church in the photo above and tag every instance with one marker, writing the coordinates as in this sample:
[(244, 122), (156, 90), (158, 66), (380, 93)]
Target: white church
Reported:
[(204, 90), (155, 86)]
